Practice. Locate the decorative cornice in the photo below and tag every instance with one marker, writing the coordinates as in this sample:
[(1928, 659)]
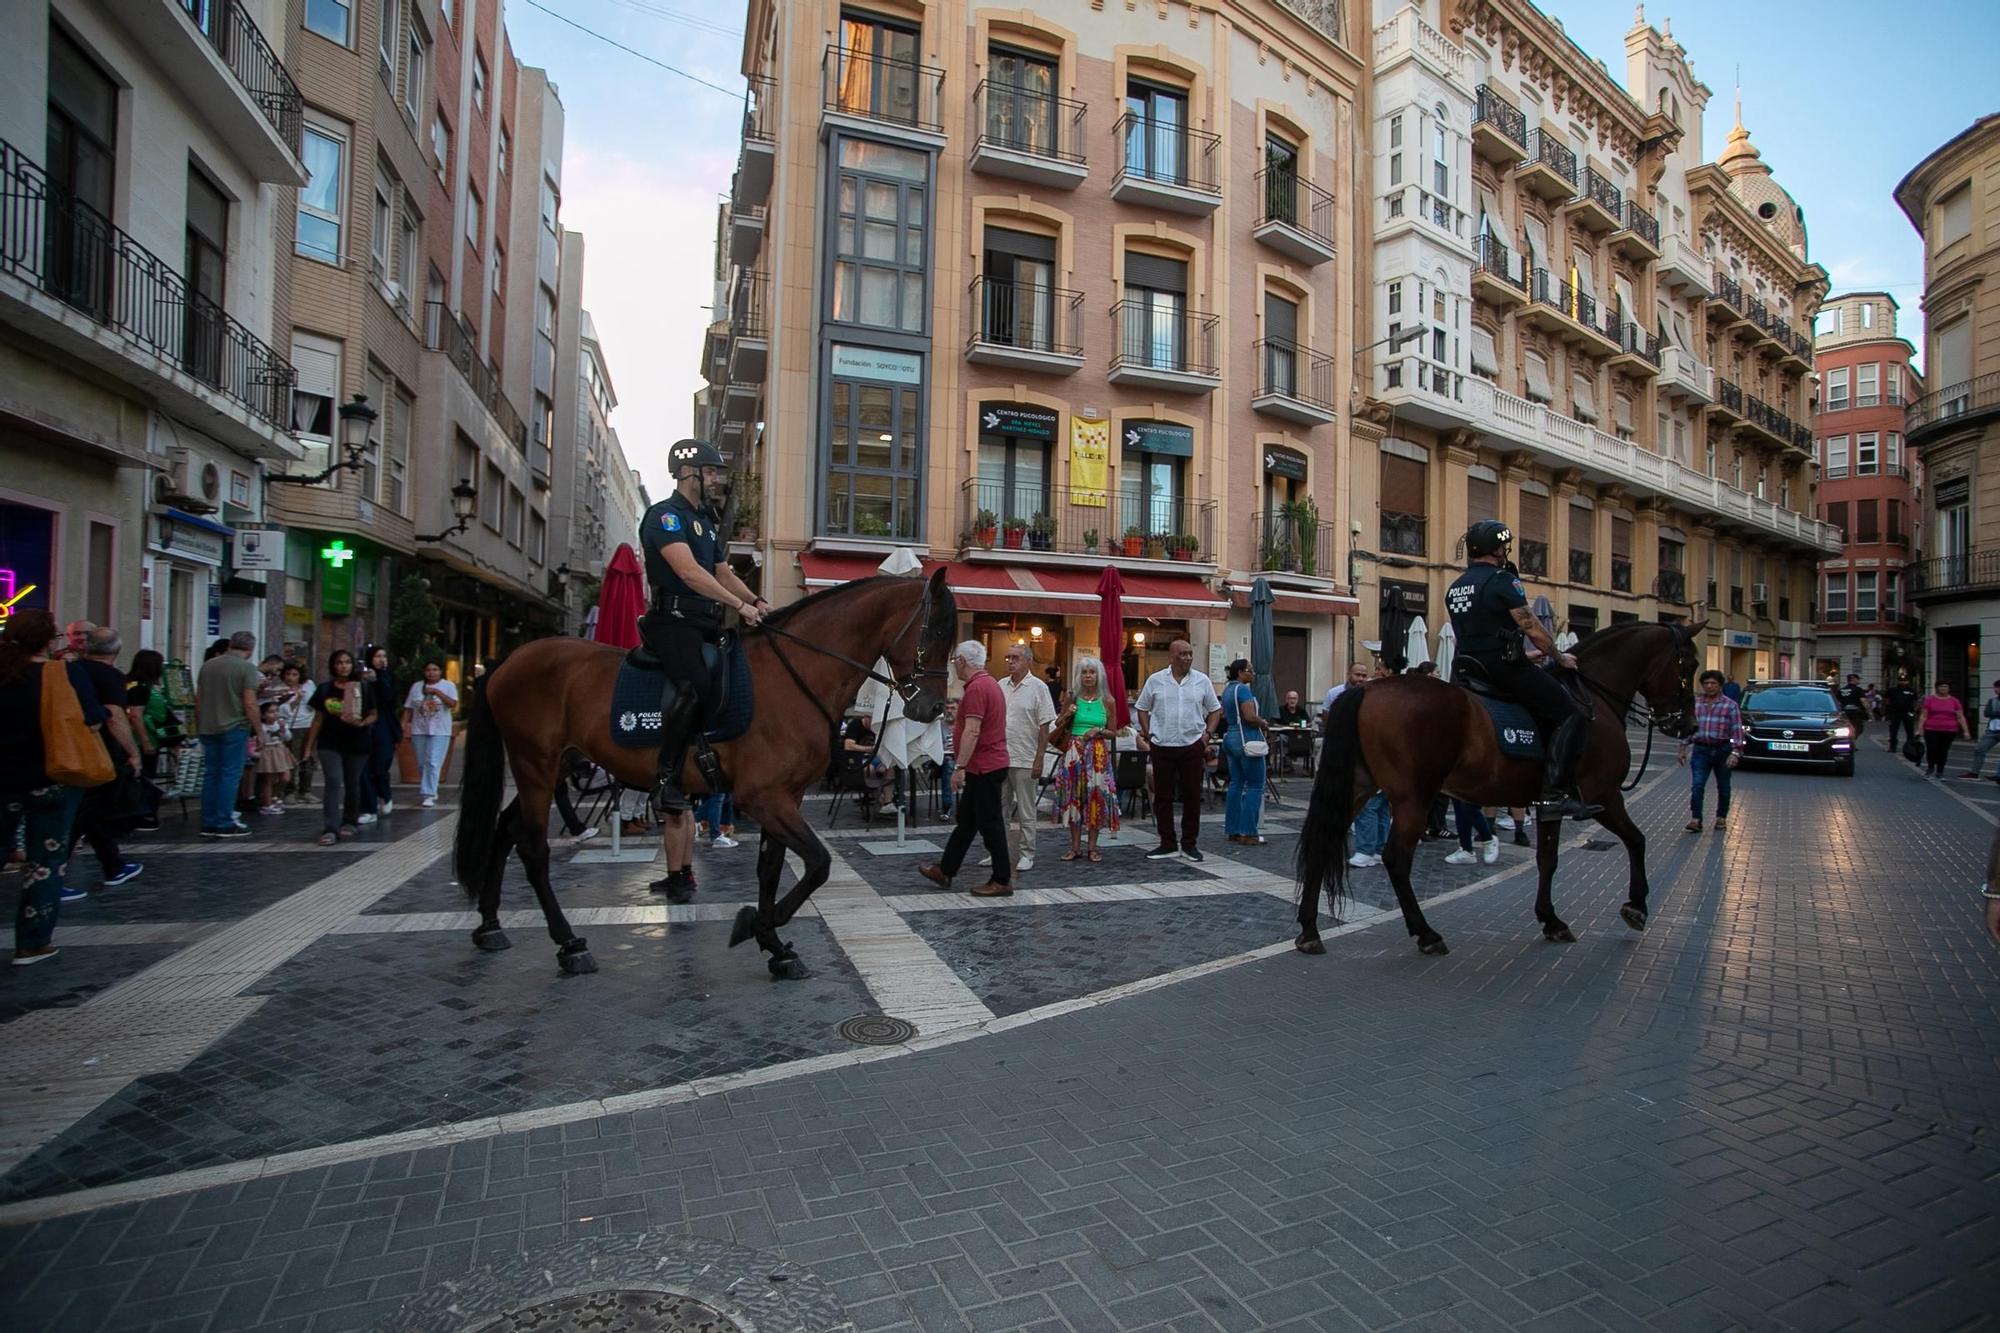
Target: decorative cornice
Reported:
[(1548, 58)]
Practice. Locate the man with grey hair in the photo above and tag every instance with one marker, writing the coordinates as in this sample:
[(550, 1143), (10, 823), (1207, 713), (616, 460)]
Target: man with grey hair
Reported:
[(96, 815), (980, 743), (1029, 713), (225, 707)]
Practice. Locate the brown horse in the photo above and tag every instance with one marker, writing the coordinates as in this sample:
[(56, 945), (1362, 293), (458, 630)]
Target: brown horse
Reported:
[(1415, 737), (806, 664)]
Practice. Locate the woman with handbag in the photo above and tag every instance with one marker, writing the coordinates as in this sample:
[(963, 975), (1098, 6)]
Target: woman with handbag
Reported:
[(1086, 783), (1244, 739), (48, 720)]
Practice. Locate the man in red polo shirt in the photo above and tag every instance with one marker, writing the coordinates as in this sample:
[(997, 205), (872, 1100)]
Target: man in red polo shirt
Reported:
[(980, 743)]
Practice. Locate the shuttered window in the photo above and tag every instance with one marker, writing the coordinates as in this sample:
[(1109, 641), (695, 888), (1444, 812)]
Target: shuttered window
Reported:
[(1482, 499), (1539, 386), (1836, 514), (1582, 528), (1621, 538), (1584, 393), (1020, 244), (1534, 517), (1402, 484), (1281, 318), (1156, 274), (1485, 360), (1622, 413)]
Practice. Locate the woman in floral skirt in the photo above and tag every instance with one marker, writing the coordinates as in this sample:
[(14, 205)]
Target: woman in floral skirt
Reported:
[(1086, 781)]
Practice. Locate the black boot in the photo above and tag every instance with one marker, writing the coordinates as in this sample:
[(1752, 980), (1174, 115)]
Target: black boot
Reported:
[(676, 720), (1560, 799)]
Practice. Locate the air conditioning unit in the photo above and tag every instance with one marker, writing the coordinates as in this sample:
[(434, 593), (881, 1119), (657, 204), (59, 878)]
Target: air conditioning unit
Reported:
[(189, 483), (1760, 593)]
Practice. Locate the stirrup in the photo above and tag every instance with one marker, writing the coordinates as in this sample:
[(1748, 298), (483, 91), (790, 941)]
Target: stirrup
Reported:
[(1568, 805)]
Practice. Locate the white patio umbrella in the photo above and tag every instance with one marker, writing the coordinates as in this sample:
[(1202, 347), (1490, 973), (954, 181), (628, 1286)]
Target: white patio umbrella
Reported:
[(903, 741), (1566, 640), (1417, 644), (1447, 649)]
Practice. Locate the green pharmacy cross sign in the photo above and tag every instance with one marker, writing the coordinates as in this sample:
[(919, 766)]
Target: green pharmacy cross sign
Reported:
[(336, 584)]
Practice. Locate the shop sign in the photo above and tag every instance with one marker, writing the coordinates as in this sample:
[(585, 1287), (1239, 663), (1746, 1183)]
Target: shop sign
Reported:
[(1089, 461), (27, 546), (875, 363), (1738, 638), (214, 607), (1032, 423), (1285, 463), (188, 543), (259, 548), (1160, 437)]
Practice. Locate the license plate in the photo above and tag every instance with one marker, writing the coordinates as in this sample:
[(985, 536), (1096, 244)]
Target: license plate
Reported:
[(1789, 745)]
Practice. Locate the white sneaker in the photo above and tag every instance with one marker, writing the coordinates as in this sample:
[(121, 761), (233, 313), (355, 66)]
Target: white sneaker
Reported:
[(1504, 822), (364, 819), (986, 860), (1462, 857), (427, 802), (1489, 850), (386, 808), (1027, 861), (1362, 860), (724, 842)]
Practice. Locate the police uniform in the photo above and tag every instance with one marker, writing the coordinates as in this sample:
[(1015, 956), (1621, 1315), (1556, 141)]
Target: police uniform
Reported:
[(679, 622)]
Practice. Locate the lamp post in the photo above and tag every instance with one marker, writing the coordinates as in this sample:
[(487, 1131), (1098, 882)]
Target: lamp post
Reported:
[(464, 499), (357, 424)]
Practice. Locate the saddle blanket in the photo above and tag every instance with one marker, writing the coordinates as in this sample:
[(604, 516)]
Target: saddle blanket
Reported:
[(635, 703), (1519, 737)]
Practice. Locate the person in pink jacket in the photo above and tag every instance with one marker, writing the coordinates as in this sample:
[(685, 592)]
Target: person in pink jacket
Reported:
[(1942, 718)]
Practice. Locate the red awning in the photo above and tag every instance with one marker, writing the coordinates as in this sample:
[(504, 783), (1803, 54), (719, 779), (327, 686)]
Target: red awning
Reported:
[(1038, 590), (1300, 603)]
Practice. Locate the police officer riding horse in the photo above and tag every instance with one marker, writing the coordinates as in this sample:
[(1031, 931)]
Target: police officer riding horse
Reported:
[(1490, 616), (690, 592)]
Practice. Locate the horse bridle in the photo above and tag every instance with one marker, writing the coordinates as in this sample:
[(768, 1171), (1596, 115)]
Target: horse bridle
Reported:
[(906, 688), (1639, 708)]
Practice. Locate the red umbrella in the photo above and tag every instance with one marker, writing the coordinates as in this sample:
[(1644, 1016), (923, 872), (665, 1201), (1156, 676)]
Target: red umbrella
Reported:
[(621, 600), (1111, 641)]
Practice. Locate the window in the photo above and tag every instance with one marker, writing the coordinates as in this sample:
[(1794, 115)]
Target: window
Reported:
[(1534, 547), (380, 232), (1892, 595), (499, 266), (1836, 456), (878, 69), (1017, 308), (545, 311), (1864, 595), (1404, 505), (1482, 499), (1485, 357), (1151, 490), (478, 81), (1867, 524), (1156, 132), (1895, 526), (1621, 416), (1892, 384), (407, 248), (1866, 384), (1953, 363), (441, 143), (317, 361), (538, 538), (385, 42), (444, 11), (1893, 453), (1440, 320), (413, 74), (506, 149), (400, 409), (328, 18), (82, 139), (1154, 331), (551, 205), (1395, 150), (1013, 476), (1440, 154), (1835, 603), (1539, 386), (1866, 458), (1621, 553), (874, 455), (1867, 314), (1584, 396), (1954, 509), (1836, 517), (322, 200), (1582, 542), (1020, 102), (492, 497), (880, 237), (517, 510), (1955, 216), (473, 214), (206, 244), (1827, 323), (376, 385)]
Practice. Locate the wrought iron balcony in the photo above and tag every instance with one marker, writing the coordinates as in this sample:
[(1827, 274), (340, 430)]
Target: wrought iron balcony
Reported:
[(1293, 382), (1954, 405), (1729, 396), (1161, 347), (1166, 165), (1496, 273), (1598, 202), (1288, 544), (1945, 576), (450, 334), (1294, 216), (897, 93), (1499, 130), (1025, 325), (1549, 170), (241, 45), (1028, 135), (1068, 520), (1638, 234), (1637, 349), (1729, 293)]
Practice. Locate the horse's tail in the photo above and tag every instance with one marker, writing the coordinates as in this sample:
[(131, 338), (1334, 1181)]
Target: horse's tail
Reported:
[(1322, 855), (482, 785)]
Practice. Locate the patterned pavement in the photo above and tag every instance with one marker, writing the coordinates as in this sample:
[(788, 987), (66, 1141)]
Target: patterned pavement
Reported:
[(1129, 1104)]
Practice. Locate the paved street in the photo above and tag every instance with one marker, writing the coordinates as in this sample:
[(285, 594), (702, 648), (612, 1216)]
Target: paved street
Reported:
[(274, 1086)]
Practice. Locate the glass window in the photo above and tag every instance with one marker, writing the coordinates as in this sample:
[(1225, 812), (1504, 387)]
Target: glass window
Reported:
[(1020, 102), (328, 18), (874, 460), (320, 202), (1865, 455), (406, 250), (385, 40), (877, 75), (1867, 384), (1150, 493), (401, 408), (317, 361), (517, 508), (413, 73), (1156, 132), (1955, 215), (440, 143), (1836, 456), (1013, 476), (1440, 155), (473, 215), (1892, 452), (506, 149), (1864, 595), (382, 229), (1837, 399), (538, 538), (880, 238), (478, 81), (551, 204)]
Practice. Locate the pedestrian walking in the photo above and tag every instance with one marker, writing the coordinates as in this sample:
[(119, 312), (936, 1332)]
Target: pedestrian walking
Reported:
[(342, 735), (1944, 721), (295, 711), (107, 811), (427, 722), (1899, 707), (1478, 844), (155, 726), (1178, 714), (274, 759), (1989, 733), (1716, 747), (377, 795), (1248, 745), (981, 746), (1030, 711), (34, 809), (1087, 776), (718, 821), (225, 705)]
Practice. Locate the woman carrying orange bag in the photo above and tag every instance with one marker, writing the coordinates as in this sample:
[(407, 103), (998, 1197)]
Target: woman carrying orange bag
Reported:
[(28, 795)]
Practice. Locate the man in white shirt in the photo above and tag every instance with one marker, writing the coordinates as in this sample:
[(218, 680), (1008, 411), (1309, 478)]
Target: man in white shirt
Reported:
[(1357, 675), (1178, 713), (1030, 711)]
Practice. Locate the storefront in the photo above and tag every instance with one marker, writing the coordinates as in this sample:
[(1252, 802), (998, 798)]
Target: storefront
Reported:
[(27, 558), (182, 581)]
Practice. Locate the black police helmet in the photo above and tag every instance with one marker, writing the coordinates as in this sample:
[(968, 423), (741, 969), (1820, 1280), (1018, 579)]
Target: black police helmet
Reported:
[(1488, 537), (693, 453)]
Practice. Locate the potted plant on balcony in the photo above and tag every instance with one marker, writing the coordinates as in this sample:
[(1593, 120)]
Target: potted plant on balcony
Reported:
[(1278, 555), (871, 525), (1182, 545), (1014, 532), (984, 525), (1042, 533), (1303, 516), (746, 491), (1156, 546), (1090, 540), (1135, 542)]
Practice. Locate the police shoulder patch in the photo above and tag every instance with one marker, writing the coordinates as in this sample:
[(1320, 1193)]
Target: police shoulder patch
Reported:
[(670, 521), (1518, 588)]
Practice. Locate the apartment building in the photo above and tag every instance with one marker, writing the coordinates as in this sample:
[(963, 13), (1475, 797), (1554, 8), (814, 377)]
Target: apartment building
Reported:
[(1035, 292), (145, 148), (1952, 198), (1578, 327), (1865, 386), (419, 125)]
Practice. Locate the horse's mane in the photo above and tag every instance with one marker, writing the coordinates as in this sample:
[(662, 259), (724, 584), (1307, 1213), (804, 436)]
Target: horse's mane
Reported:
[(1599, 638), (784, 613)]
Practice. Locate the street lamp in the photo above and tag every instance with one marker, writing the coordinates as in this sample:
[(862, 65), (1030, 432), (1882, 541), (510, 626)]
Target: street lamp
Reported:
[(357, 424), (464, 500)]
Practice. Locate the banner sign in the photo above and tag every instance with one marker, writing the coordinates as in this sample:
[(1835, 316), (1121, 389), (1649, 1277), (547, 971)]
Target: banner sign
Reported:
[(874, 363), (1089, 461), (1160, 437), (259, 548), (1285, 463), (1738, 638), (1033, 423)]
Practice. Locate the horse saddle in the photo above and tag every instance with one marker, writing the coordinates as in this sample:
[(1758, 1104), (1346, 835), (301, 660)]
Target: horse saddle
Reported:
[(1514, 725), (636, 695)]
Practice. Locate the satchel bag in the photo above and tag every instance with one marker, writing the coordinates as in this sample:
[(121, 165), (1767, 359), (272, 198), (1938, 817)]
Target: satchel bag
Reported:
[(1256, 749), (71, 752), (1913, 750)]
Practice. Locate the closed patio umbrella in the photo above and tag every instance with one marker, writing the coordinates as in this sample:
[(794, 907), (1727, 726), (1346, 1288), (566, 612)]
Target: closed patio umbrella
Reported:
[(1417, 644), (1111, 641), (1263, 647), (1543, 610), (621, 600), (1447, 649)]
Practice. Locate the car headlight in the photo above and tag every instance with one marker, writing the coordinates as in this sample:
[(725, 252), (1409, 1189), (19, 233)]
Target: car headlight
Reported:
[(1843, 731)]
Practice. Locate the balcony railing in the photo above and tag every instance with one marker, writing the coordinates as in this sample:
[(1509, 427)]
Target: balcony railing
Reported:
[(759, 117), (1621, 573), (1754, 308), (1730, 394), (1285, 197), (1546, 150), (450, 334), (1670, 586), (1404, 534), (1977, 570), (1580, 564), (76, 255), (1149, 335), (1579, 306), (1955, 402), (1027, 120), (1640, 223), (241, 46), (1287, 544), (746, 305), (1068, 520), (895, 92), (1290, 370), (1602, 191), (1635, 341), (1729, 292), (1026, 316), (1491, 255), (1489, 108), (1166, 154), (1534, 558)]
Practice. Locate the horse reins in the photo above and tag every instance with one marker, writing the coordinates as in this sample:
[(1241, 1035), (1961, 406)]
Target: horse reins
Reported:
[(904, 691), (1632, 706)]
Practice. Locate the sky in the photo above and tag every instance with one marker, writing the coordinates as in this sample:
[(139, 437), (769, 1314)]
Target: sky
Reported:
[(1841, 97)]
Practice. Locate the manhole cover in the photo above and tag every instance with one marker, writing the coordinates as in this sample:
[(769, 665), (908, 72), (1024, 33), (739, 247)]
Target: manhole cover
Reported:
[(877, 1030), (615, 1312)]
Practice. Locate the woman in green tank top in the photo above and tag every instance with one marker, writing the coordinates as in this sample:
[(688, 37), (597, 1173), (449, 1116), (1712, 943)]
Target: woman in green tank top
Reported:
[(1086, 782)]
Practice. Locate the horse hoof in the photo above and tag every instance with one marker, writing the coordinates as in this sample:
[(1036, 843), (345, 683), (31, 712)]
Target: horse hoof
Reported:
[(1633, 916), (682, 894), (1433, 948), (745, 927), (1311, 944), (1558, 934), (789, 969), (492, 941), (576, 964)]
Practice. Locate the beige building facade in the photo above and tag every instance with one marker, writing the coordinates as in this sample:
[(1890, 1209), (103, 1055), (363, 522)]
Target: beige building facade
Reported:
[(1953, 198), (1037, 292)]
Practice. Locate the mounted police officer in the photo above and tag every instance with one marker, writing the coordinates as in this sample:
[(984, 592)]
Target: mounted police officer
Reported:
[(691, 591), (1490, 617)]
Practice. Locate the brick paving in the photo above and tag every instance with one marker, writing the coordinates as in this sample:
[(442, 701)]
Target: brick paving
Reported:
[(1771, 1110)]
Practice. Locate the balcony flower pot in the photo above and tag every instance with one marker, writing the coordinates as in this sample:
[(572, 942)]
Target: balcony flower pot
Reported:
[(1090, 541), (984, 536), (1042, 533), (1014, 532), (1182, 548), (1156, 548), (1135, 545)]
